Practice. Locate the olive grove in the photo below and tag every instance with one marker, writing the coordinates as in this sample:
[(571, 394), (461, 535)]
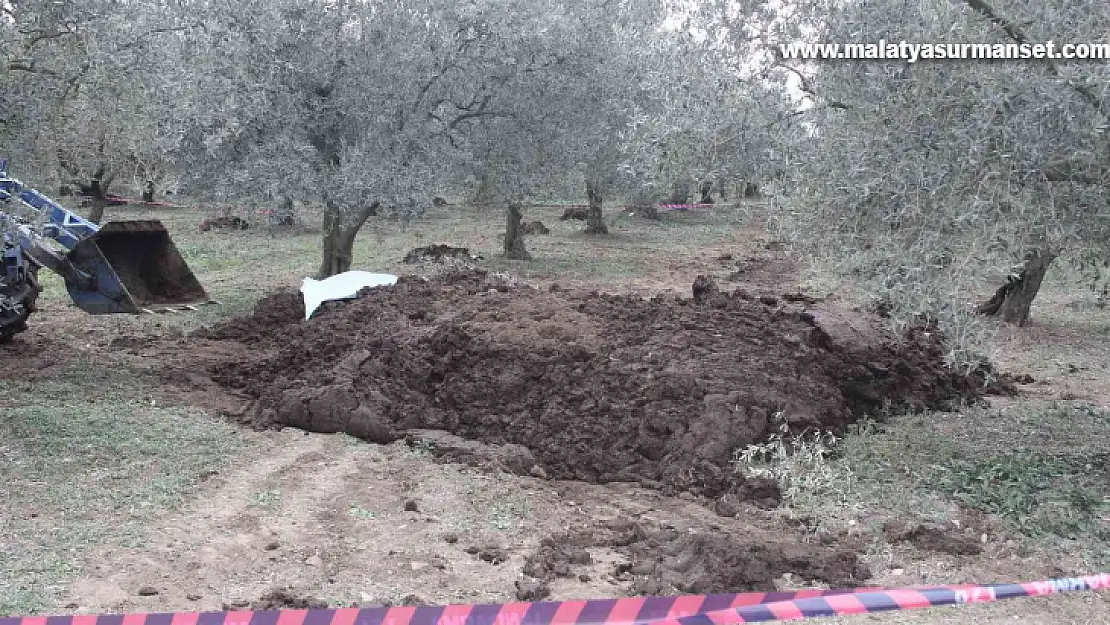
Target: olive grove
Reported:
[(371, 109), (925, 179), (85, 91), (931, 185)]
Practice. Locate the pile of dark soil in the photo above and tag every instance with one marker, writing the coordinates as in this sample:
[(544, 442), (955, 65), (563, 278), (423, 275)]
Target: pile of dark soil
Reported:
[(664, 561), (280, 599), (599, 387), (534, 227), (941, 538), (580, 213), (437, 253), (224, 223)]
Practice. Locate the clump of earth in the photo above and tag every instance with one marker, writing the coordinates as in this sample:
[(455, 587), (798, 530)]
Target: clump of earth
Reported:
[(665, 561), (597, 387)]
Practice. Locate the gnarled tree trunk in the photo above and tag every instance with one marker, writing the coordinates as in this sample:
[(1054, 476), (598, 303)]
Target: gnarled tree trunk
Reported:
[(514, 238), (340, 230), (706, 191), (97, 190), (1013, 300), (595, 223), (484, 194)]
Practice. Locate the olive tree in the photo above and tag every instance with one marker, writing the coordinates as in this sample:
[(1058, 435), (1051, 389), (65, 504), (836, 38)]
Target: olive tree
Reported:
[(599, 93), (87, 87), (926, 175), (363, 107), (710, 116), (564, 106)]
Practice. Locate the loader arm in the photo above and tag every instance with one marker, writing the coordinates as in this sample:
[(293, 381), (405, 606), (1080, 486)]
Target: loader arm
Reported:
[(119, 267), (42, 255)]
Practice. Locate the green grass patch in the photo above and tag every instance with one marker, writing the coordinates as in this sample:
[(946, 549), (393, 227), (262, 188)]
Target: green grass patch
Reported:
[(1042, 468), (1034, 493), (86, 459)]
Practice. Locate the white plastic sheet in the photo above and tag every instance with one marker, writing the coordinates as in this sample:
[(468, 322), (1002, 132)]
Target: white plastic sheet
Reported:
[(340, 286)]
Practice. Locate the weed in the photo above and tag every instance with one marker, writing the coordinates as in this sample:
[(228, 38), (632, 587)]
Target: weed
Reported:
[(267, 498), (800, 463), (422, 447), (357, 511), (506, 514)]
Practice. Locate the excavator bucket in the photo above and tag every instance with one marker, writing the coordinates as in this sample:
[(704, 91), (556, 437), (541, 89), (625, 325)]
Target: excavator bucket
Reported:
[(135, 268)]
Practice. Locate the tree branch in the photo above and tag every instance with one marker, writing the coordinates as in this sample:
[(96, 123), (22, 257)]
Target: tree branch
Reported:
[(1013, 30), (431, 82), (29, 67), (154, 31), (46, 35), (1016, 33), (807, 87), (474, 114), (1074, 171)]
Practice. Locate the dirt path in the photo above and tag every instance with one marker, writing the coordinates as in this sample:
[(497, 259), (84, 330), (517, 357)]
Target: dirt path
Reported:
[(319, 515), (327, 518)]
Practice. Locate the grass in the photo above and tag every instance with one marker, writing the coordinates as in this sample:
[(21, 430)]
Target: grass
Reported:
[(357, 511), (1035, 493), (267, 499), (1041, 469), (86, 462), (1015, 468)]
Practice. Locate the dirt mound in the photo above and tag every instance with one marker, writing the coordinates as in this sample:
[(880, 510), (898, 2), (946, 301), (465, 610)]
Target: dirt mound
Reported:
[(224, 223), (534, 227), (664, 561), (934, 537), (580, 213), (599, 387), (437, 253), (277, 310), (280, 599)]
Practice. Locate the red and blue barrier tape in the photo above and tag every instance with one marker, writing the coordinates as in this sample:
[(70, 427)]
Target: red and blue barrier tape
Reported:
[(683, 610), (865, 602)]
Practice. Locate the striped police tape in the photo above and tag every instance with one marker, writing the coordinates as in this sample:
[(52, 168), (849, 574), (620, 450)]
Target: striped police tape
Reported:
[(683, 610), (888, 600)]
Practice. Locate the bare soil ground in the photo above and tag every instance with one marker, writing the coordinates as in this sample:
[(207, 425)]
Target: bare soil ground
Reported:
[(536, 443)]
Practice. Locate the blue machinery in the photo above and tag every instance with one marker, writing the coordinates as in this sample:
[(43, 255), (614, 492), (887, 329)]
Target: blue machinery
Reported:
[(119, 267)]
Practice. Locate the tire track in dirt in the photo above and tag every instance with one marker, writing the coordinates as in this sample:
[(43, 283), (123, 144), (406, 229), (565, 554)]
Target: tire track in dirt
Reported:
[(211, 548), (326, 518), (342, 530)]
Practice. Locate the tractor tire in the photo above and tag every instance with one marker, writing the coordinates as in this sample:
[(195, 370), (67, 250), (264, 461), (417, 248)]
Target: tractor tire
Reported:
[(19, 304)]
